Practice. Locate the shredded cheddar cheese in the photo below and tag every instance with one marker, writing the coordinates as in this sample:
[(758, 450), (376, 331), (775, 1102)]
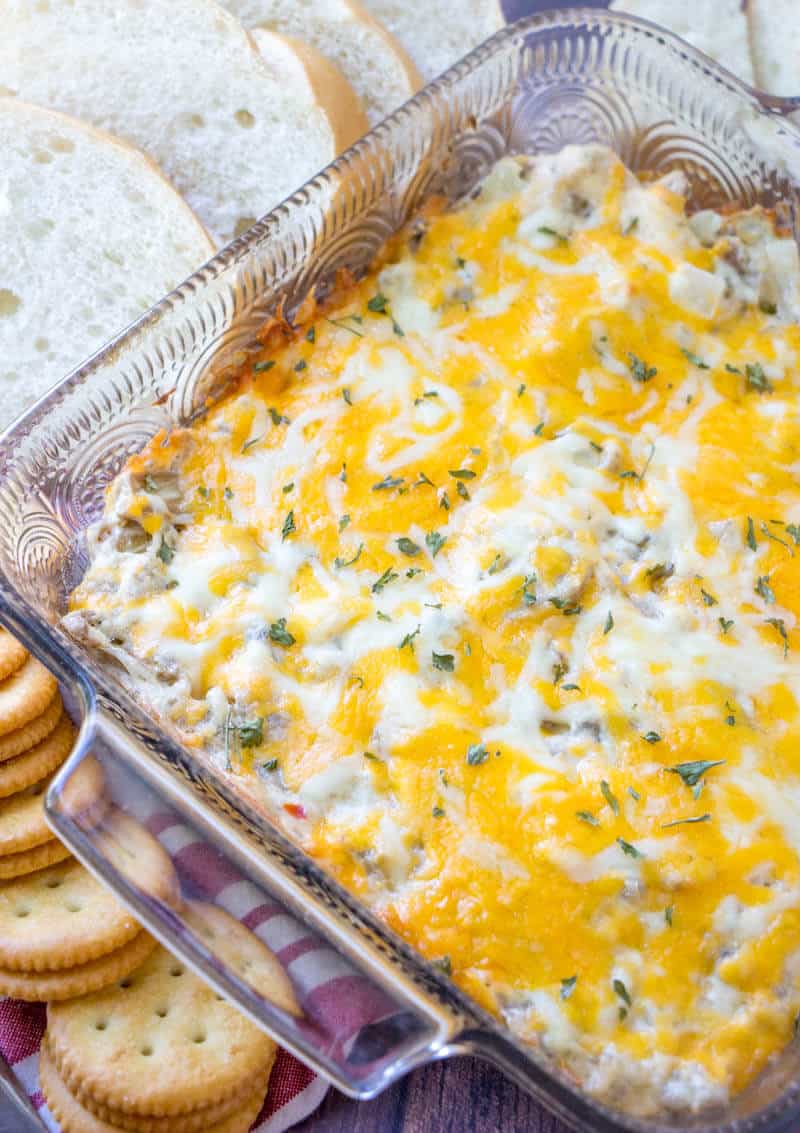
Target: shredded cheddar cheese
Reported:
[(487, 583)]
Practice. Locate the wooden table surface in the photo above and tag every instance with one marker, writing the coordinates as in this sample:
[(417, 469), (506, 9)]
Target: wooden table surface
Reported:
[(462, 1095)]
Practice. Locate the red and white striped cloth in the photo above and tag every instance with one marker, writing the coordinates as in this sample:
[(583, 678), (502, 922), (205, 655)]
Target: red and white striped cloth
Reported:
[(339, 1000)]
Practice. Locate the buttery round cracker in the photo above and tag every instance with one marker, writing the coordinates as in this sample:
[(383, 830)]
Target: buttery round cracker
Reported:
[(25, 695), (60, 917), (19, 773), (80, 980), (31, 861), (12, 654), (75, 1118), (241, 950), (159, 1044), (32, 733), (22, 821), (138, 856)]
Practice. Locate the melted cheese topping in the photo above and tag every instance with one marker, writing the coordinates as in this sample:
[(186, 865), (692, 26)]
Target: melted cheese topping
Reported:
[(487, 582)]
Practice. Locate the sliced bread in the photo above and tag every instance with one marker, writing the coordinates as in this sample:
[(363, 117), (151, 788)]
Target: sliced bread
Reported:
[(315, 83), (92, 235), (371, 60), (185, 82), (775, 45), (718, 29), (437, 33)]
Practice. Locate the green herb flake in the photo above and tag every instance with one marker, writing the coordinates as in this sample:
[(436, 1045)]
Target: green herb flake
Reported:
[(521, 389), (311, 335), (378, 304), (693, 771), (686, 821), (434, 542), (652, 737), (444, 502), (462, 473), (607, 628), (300, 366), (476, 754), (725, 624), (629, 849), (750, 535), (408, 546), (695, 361), (408, 640), (793, 529), (708, 599), (438, 812), (587, 817), (288, 527), (461, 488), (640, 370), (551, 232), (387, 482), (165, 552), (634, 794), (343, 522), (444, 964), (764, 590), (262, 367), (388, 576), (346, 395), (756, 378), (609, 796), (779, 625), (669, 912), (622, 992), (251, 732), (249, 444), (568, 986), (280, 634), (269, 765), (340, 563), (443, 661), (149, 483)]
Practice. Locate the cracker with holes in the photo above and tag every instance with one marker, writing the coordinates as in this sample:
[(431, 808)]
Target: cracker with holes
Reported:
[(23, 739), (25, 694), (137, 856), (31, 861), (37, 763), (22, 821), (12, 654), (80, 979), (73, 1117), (160, 1043)]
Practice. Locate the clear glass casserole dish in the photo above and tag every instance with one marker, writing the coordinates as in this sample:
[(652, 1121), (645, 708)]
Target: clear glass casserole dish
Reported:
[(372, 1009)]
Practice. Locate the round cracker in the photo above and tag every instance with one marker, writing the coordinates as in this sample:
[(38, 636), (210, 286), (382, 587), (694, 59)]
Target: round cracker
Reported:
[(23, 739), (31, 861), (240, 949), (25, 695), (138, 856), (58, 918), (169, 1045), (75, 1118), (12, 654), (82, 979), (39, 762), (22, 821)]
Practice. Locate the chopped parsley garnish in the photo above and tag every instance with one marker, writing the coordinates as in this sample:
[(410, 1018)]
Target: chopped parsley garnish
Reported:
[(750, 536), (339, 563), (249, 444), (388, 576), (708, 599), (379, 614), (634, 794), (408, 546), (462, 473), (301, 365), (778, 624), (622, 992), (372, 756), (668, 914), (423, 479), (343, 522), (343, 325), (476, 754), (652, 737), (311, 335), (631, 227), (251, 732), (776, 538), (568, 986), (408, 640), (692, 772), (280, 634), (793, 529), (528, 593), (343, 473), (228, 493), (609, 796), (378, 304), (278, 418), (444, 965), (756, 378), (461, 488), (725, 624), (521, 389), (438, 812), (398, 330), (288, 527), (551, 232), (499, 562), (262, 367), (629, 849), (149, 483), (269, 765), (165, 552), (537, 432), (571, 688), (607, 628), (443, 661), (764, 590), (686, 821), (565, 607), (587, 817), (387, 482), (434, 542), (346, 395), (640, 370), (695, 361), (444, 502)]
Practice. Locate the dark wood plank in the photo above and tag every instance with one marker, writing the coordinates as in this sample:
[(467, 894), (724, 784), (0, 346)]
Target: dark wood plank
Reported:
[(459, 1096)]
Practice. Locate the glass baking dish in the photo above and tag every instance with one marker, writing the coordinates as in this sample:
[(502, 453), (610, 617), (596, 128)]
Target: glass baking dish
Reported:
[(370, 1008)]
